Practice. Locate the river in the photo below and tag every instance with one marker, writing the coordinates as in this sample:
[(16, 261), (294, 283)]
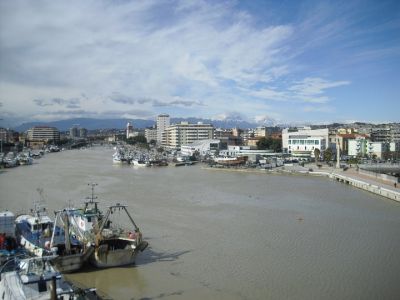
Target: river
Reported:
[(226, 235)]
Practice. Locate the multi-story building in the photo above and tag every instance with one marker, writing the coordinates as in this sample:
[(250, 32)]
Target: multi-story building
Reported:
[(83, 132), (184, 133), (163, 122), (6, 135), (202, 147), (303, 141), (40, 135), (150, 134), (260, 132), (74, 132), (357, 147)]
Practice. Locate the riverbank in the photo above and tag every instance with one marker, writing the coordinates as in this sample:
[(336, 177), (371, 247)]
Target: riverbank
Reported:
[(350, 176)]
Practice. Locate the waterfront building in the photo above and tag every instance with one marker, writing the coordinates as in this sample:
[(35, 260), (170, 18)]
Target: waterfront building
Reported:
[(185, 133), (227, 137), (163, 122), (202, 147), (6, 135), (150, 134), (83, 132), (357, 147), (43, 133), (303, 141), (252, 154), (74, 132), (129, 130)]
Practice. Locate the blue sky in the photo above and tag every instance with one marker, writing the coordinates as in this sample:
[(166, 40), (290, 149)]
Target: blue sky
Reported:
[(285, 61)]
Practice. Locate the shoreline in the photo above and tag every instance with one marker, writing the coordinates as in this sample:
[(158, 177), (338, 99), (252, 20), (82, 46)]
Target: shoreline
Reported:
[(369, 185)]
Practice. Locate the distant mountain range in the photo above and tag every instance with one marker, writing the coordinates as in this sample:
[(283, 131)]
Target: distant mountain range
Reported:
[(93, 124)]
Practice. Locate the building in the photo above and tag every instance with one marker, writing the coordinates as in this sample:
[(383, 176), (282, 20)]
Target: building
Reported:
[(260, 132), (303, 141), (163, 122), (43, 133), (150, 134), (83, 133), (358, 147), (202, 147), (74, 132), (6, 135), (184, 133), (129, 130), (39, 136), (252, 155)]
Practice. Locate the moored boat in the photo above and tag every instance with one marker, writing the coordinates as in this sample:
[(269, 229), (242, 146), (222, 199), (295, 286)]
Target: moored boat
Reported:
[(35, 278), (35, 231), (114, 245), (71, 253), (230, 161)]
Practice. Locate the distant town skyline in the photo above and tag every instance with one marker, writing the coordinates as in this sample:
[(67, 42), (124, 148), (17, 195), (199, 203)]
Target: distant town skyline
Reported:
[(291, 61)]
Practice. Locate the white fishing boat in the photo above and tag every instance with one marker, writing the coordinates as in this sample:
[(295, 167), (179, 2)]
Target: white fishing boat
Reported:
[(139, 163), (35, 278), (118, 158), (25, 159), (35, 230)]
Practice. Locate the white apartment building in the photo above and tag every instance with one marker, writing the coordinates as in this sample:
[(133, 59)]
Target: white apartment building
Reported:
[(43, 133), (184, 133), (358, 147), (163, 122), (365, 147), (150, 134), (303, 141), (203, 147)]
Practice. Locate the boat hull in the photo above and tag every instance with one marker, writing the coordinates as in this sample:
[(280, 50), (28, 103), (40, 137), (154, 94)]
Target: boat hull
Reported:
[(73, 262), (116, 252)]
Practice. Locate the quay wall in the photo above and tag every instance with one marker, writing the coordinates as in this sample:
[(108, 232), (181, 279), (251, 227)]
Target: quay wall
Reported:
[(372, 188)]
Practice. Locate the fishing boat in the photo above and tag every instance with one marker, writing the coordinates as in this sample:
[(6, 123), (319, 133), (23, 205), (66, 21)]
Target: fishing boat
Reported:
[(139, 163), (35, 231), (114, 246), (35, 278), (72, 253), (25, 159)]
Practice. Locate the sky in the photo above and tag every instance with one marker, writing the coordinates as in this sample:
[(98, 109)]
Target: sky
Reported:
[(259, 61)]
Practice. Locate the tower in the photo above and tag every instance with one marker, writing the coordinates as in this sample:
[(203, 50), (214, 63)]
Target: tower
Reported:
[(163, 121), (129, 130)]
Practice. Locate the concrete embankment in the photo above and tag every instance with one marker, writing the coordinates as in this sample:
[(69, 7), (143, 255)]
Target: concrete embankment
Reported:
[(369, 185)]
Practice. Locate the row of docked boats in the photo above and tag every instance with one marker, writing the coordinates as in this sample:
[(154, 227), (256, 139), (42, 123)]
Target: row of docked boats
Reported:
[(136, 159), (75, 237)]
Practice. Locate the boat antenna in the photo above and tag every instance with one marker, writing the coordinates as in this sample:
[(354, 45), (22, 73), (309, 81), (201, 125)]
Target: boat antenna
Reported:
[(93, 197)]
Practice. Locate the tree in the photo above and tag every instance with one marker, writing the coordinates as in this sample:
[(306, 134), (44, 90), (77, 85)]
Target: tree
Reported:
[(328, 155), (140, 139), (271, 144), (317, 153)]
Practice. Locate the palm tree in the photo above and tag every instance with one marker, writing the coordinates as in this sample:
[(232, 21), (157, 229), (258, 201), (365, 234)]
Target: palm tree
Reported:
[(317, 153)]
